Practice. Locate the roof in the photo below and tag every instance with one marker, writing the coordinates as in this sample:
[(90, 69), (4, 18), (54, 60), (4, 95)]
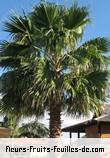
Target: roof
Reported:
[(106, 109), (104, 118), (80, 127)]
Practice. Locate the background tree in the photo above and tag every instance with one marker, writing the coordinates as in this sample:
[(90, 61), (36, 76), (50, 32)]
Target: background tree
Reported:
[(30, 130), (33, 130), (48, 69)]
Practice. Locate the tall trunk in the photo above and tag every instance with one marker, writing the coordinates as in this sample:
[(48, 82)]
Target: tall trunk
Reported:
[(55, 120)]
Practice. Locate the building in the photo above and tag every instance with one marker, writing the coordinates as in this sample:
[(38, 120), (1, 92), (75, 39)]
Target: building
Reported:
[(93, 128), (5, 132)]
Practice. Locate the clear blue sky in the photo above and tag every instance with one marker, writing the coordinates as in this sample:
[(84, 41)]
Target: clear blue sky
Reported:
[(99, 13)]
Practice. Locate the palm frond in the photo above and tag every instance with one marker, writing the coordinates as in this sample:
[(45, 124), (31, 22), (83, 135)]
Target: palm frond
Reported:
[(19, 27), (46, 16), (33, 130), (101, 44), (76, 17), (13, 49)]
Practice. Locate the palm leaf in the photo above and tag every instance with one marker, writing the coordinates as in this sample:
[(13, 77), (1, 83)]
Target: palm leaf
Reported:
[(76, 17), (46, 16)]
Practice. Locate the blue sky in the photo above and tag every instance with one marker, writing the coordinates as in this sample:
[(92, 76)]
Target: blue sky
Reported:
[(99, 13)]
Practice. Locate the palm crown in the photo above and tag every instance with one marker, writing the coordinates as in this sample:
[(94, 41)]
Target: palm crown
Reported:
[(47, 68)]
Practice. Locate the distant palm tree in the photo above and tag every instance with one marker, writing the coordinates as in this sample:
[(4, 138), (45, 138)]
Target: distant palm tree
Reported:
[(46, 67), (33, 130)]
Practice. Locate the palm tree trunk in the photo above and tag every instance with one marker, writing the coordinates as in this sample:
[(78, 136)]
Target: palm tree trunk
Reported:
[(55, 120)]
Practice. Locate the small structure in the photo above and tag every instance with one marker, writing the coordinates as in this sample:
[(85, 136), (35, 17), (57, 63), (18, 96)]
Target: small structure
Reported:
[(93, 128), (5, 132)]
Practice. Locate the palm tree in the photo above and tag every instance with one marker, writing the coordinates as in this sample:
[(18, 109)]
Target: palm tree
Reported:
[(33, 130), (48, 69)]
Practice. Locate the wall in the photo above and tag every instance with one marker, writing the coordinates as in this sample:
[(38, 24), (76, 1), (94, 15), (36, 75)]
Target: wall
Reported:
[(105, 130), (5, 132), (92, 131)]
